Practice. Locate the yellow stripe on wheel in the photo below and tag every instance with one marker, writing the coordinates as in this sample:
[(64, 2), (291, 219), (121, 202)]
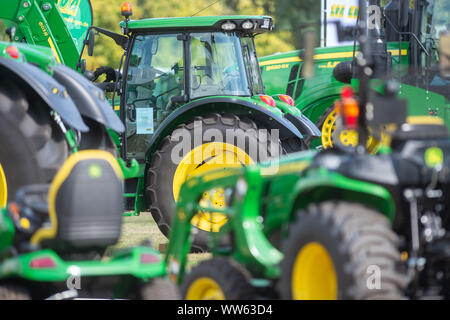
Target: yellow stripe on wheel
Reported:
[(347, 138), (205, 289), (3, 188), (204, 158)]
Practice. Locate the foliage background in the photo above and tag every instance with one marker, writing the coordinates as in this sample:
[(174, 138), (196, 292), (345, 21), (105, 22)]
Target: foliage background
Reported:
[(289, 16)]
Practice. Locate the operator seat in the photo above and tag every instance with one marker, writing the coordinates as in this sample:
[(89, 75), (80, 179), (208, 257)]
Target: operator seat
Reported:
[(85, 204)]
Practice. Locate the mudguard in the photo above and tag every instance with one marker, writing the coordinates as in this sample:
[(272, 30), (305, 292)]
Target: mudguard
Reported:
[(228, 105), (89, 99), (48, 89), (306, 126)]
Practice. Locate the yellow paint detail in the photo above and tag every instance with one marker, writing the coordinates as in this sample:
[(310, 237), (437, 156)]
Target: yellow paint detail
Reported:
[(325, 56), (204, 289), (25, 223), (61, 176), (204, 158), (3, 188), (424, 120), (348, 138), (313, 274), (55, 52)]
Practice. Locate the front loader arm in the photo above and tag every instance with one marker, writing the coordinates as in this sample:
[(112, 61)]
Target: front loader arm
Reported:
[(252, 248), (42, 23)]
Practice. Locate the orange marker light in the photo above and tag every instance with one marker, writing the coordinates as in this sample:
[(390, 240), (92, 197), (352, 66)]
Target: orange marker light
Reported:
[(348, 108), (126, 9)]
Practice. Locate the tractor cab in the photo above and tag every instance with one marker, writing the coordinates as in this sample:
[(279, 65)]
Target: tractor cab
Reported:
[(71, 213), (169, 69)]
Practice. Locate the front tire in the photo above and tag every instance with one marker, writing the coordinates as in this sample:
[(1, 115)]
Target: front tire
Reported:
[(217, 279), (165, 176), (341, 250), (160, 289)]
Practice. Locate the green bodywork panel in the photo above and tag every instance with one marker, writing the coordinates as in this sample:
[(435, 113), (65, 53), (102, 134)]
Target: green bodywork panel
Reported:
[(273, 194), (42, 23), (124, 263)]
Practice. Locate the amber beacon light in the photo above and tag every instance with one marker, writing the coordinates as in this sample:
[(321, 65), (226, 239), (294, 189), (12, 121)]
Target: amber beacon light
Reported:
[(126, 9)]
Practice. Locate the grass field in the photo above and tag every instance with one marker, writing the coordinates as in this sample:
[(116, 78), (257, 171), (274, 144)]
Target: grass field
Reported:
[(138, 230)]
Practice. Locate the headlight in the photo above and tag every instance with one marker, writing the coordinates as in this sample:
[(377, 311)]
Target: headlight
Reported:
[(228, 26), (247, 25)]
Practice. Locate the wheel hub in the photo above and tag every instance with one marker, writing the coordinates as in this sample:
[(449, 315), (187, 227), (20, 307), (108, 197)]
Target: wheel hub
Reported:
[(205, 289), (204, 158), (313, 274)]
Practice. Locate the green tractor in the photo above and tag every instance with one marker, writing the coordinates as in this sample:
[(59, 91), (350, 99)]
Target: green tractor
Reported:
[(408, 35), (45, 110), (191, 97), (336, 224), (53, 236)]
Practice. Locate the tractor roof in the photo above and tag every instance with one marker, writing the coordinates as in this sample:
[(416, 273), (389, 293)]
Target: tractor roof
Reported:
[(260, 23)]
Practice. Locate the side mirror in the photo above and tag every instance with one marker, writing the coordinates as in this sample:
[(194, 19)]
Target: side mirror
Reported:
[(444, 55), (82, 66), (403, 13), (309, 41), (91, 42)]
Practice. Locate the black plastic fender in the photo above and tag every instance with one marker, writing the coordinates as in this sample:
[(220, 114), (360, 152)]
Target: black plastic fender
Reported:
[(89, 99), (224, 105), (34, 80), (304, 125)]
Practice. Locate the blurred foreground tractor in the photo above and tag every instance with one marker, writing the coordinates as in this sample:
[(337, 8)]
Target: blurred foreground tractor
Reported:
[(53, 238)]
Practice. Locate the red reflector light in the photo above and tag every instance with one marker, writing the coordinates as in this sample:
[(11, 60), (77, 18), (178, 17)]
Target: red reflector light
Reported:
[(348, 108), (42, 263), (126, 9), (267, 100), (13, 52), (147, 258), (287, 99)]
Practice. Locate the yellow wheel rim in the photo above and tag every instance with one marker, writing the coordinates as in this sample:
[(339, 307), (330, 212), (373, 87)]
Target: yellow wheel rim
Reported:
[(205, 289), (313, 274), (348, 138), (3, 188), (206, 157)]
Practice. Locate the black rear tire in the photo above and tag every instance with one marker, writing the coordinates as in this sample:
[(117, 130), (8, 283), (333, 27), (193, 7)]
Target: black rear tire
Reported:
[(356, 238), (161, 172), (33, 146), (232, 279)]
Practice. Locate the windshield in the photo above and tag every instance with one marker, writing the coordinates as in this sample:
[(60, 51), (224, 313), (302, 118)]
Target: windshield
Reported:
[(217, 66)]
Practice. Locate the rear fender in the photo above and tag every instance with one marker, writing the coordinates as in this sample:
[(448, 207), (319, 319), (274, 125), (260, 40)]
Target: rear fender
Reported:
[(236, 106), (34, 81)]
